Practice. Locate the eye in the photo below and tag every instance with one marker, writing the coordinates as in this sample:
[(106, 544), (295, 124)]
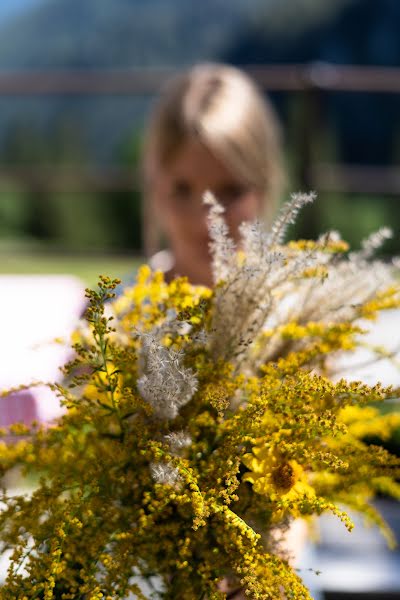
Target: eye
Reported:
[(231, 192), (181, 190)]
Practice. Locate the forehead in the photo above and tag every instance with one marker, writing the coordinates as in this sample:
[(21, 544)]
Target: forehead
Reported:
[(196, 162)]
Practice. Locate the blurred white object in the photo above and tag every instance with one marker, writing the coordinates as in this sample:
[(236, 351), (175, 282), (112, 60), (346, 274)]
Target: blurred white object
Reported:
[(360, 561), (34, 311), (362, 364)]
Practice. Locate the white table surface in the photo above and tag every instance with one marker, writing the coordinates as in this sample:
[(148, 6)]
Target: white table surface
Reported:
[(34, 311)]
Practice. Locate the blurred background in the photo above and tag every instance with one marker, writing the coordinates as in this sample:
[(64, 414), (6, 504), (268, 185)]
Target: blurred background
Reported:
[(77, 79)]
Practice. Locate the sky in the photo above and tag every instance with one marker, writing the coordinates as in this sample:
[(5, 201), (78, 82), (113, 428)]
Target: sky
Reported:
[(11, 8)]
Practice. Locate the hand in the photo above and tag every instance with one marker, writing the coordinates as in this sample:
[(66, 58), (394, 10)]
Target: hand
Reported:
[(233, 592)]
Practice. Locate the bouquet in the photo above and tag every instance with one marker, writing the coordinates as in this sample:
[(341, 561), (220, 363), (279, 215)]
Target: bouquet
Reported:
[(200, 422)]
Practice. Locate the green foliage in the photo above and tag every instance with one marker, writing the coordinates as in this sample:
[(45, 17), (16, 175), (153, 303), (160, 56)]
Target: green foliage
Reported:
[(72, 220)]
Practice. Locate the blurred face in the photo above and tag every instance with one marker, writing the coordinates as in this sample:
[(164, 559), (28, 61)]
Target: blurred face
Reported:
[(179, 190)]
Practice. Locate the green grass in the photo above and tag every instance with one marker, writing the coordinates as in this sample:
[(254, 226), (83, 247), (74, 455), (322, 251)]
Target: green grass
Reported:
[(87, 268)]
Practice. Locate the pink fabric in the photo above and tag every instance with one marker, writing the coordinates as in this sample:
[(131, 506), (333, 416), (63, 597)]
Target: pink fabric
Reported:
[(20, 407), (34, 311)]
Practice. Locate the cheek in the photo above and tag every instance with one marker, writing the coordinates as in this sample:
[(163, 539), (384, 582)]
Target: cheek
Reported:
[(165, 209), (181, 224), (172, 221)]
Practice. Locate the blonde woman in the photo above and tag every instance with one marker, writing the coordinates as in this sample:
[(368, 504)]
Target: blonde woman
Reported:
[(211, 130)]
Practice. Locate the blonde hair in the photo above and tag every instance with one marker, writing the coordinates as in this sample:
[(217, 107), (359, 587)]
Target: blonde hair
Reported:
[(222, 107)]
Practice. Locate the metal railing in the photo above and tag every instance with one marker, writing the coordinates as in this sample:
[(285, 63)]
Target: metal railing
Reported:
[(147, 81), (308, 80)]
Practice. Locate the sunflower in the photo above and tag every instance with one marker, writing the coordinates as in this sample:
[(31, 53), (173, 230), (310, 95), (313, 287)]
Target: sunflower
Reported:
[(275, 476)]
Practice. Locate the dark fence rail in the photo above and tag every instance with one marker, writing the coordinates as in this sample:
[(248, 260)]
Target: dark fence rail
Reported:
[(60, 178), (148, 81), (308, 80)]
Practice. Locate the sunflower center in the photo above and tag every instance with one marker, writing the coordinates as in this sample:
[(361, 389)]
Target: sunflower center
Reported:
[(283, 477)]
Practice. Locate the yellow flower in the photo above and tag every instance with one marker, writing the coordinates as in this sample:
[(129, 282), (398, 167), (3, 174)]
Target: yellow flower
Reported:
[(274, 476), (367, 421)]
